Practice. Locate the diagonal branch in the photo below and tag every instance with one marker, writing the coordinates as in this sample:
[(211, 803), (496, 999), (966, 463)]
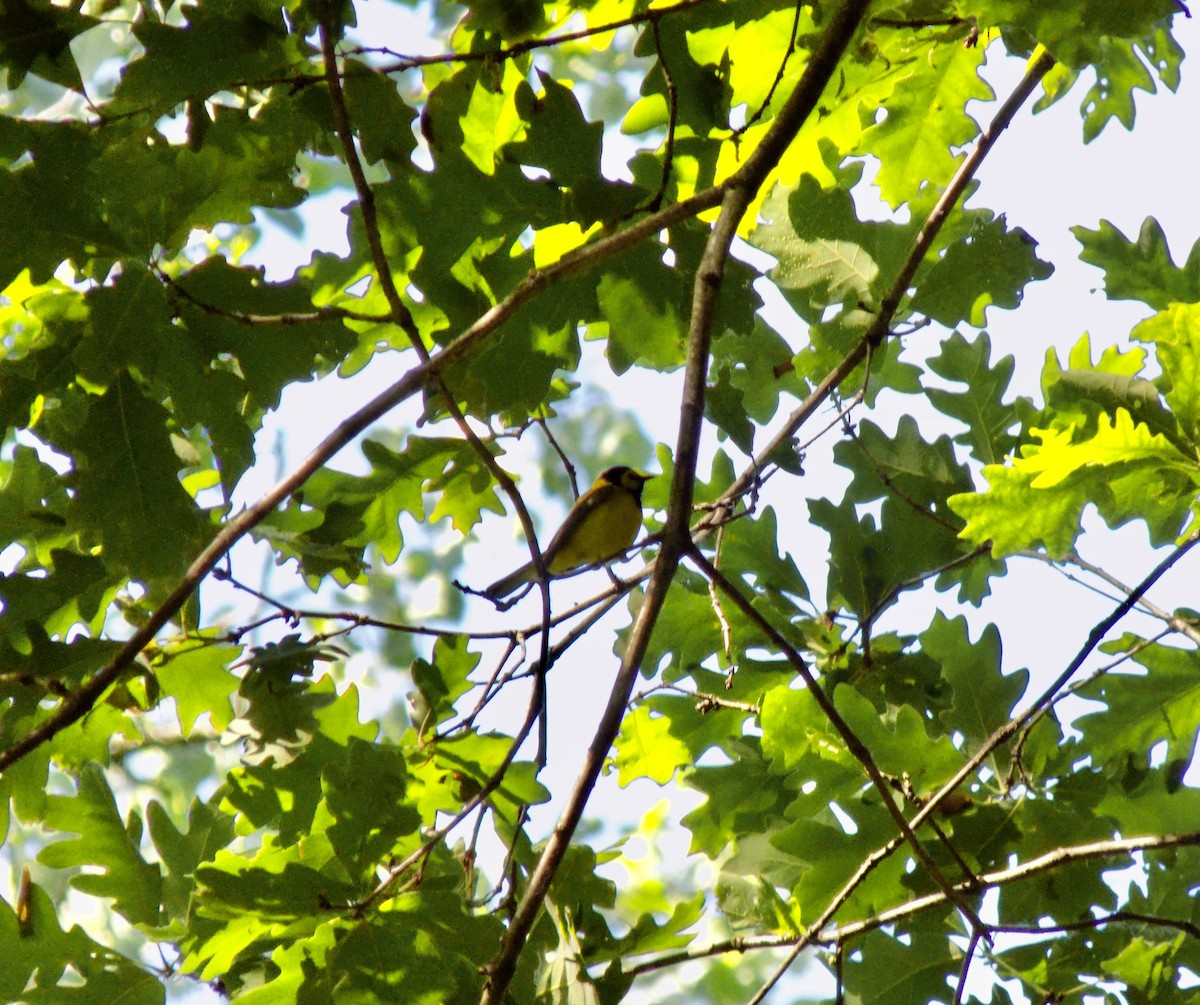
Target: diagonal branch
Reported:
[(1048, 862), (77, 704), (1172, 621), (853, 744), (1002, 734), (881, 325), (736, 196), (652, 16)]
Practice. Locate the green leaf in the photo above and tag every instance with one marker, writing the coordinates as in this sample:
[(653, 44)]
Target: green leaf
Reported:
[(1058, 29), (1142, 269), (644, 323), (1175, 334), (915, 142), (980, 404), (370, 819), (898, 741), (989, 266), (103, 842), (219, 47), (794, 728), (269, 355), (383, 118), (127, 485), (645, 748), (70, 589), (1040, 497), (984, 698), (752, 371), (448, 946), (1147, 965), (35, 958), (36, 38), (925, 474), (200, 682), (471, 760), (745, 888), (826, 256), (271, 884), (898, 972), (444, 678), (1141, 710), (742, 797), (49, 216), (1119, 74), (181, 852), (865, 572), (330, 523), (558, 138), (649, 935), (1117, 441), (687, 629)]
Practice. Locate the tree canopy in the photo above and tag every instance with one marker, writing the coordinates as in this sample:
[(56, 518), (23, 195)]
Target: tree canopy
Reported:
[(273, 746)]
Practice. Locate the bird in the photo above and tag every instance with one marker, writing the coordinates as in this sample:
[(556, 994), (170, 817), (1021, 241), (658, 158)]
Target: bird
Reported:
[(603, 522)]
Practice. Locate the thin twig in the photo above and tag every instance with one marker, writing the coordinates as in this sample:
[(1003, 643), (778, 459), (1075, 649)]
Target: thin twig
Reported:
[(893, 488), (1086, 924), (706, 701), (596, 609), (960, 989), (529, 45), (327, 313), (1016, 767), (787, 55), (400, 868), (567, 463), (672, 117), (714, 601), (1175, 623), (910, 584)]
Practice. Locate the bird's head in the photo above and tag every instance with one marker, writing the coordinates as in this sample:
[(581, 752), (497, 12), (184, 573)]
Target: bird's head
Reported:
[(626, 478)]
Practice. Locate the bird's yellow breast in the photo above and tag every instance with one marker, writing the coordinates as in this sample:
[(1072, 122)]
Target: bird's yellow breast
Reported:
[(607, 526)]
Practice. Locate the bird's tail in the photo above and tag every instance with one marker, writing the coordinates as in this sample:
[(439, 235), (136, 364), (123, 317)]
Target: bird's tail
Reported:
[(510, 583)]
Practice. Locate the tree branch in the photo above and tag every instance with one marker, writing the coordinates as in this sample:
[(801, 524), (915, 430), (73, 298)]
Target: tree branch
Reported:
[(931, 901), (529, 45), (737, 193), (880, 326), (1172, 621), (853, 744), (536, 282)]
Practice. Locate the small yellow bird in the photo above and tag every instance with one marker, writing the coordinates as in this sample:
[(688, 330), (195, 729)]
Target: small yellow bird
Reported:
[(603, 522)]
